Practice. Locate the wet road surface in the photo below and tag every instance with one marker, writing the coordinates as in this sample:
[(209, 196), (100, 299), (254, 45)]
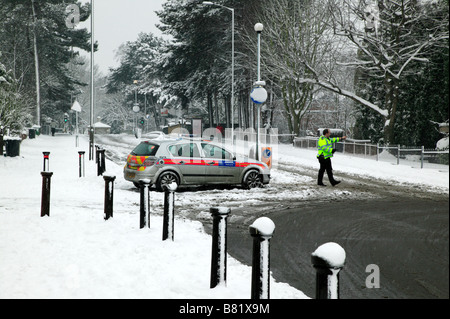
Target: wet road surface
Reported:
[(407, 240)]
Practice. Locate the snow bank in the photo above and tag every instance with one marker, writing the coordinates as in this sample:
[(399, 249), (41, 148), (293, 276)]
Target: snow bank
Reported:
[(436, 177)]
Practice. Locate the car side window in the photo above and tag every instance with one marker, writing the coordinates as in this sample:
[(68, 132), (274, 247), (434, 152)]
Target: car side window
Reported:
[(184, 150), (214, 151)]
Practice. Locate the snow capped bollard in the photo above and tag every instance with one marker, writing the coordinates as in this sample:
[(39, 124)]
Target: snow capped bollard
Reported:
[(46, 163), (328, 259), (81, 163), (109, 192), (100, 162), (169, 216), (45, 199), (145, 203), (219, 245), (261, 230)]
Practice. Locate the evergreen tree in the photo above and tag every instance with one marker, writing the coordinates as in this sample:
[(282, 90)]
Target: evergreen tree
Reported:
[(54, 43), (13, 106)]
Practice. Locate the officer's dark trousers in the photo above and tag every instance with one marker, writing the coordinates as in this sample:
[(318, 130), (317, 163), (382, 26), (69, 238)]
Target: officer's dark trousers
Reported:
[(325, 165)]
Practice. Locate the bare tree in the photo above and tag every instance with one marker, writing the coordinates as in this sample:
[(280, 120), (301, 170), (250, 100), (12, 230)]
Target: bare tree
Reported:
[(388, 35), (298, 45)]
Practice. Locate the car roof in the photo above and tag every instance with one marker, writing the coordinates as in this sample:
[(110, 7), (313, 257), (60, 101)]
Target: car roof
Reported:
[(159, 141)]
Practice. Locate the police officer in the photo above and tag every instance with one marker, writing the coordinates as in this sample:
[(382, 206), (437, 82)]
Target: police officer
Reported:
[(324, 156)]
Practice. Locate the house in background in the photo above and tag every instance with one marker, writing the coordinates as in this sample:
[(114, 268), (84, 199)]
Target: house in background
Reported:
[(102, 128)]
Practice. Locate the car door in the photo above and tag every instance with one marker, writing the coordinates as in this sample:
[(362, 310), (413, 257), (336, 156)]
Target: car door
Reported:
[(220, 165), (186, 157)]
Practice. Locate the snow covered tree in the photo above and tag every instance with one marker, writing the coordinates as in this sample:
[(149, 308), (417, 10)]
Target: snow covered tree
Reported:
[(139, 73), (296, 38), (36, 45), (13, 109), (192, 58), (198, 60), (390, 36)]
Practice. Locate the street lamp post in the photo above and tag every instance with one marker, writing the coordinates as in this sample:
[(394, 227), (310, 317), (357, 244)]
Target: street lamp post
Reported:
[(232, 63), (136, 109), (91, 120), (259, 94)]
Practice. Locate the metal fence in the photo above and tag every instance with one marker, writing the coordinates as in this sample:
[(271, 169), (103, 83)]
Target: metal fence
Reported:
[(396, 154)]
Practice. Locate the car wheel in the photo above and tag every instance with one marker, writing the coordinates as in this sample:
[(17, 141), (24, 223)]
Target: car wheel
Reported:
[(252, 179), (166, 178)]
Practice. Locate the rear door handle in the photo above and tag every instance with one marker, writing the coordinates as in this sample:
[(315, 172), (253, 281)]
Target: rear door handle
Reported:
[(181, 162), (211, 163)]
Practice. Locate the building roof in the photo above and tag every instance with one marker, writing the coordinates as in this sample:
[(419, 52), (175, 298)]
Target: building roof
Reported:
[(100, 124)]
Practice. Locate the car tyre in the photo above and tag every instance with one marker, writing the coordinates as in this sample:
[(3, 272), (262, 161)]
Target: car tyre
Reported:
[(252, 179), (165, 179)]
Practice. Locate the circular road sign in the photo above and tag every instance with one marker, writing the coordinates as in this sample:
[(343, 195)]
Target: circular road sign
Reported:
[(258, 95)]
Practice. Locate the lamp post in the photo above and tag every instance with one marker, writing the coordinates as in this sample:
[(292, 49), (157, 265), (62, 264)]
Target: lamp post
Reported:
[(136, 108), (232, 62), (91, 120), (259, 94)]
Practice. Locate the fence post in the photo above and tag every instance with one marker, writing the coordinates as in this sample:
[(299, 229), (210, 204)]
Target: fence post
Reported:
[(144, 203), (1, 141), (91, 143), (328, 259), (261, 230), (45, 198), (46, 167), (169, 216), (81, 163), (96, 154), (378, 150), (219, 245), (398, 154), (109, 192), (421, 156), (103, 160)]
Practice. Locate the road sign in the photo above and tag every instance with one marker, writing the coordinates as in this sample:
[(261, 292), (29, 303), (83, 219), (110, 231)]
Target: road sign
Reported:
[(258, 95), (76, 106), (267, 156)]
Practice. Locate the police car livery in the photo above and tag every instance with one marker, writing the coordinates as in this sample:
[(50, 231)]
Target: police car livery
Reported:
[(191, 162)]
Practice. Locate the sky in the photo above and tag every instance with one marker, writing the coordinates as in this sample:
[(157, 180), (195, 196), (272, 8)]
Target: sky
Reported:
[(118, 21)]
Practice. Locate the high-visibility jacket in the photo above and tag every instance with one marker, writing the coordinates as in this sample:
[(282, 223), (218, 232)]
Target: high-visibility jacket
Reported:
[(325, 146)]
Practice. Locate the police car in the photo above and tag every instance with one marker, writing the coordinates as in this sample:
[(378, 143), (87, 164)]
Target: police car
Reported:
[(188, 161)]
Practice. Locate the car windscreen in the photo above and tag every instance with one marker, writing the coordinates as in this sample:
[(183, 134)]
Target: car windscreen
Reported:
[(145, 149)]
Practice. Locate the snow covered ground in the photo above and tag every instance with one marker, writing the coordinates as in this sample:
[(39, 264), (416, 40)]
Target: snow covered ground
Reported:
[(75, 253)]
